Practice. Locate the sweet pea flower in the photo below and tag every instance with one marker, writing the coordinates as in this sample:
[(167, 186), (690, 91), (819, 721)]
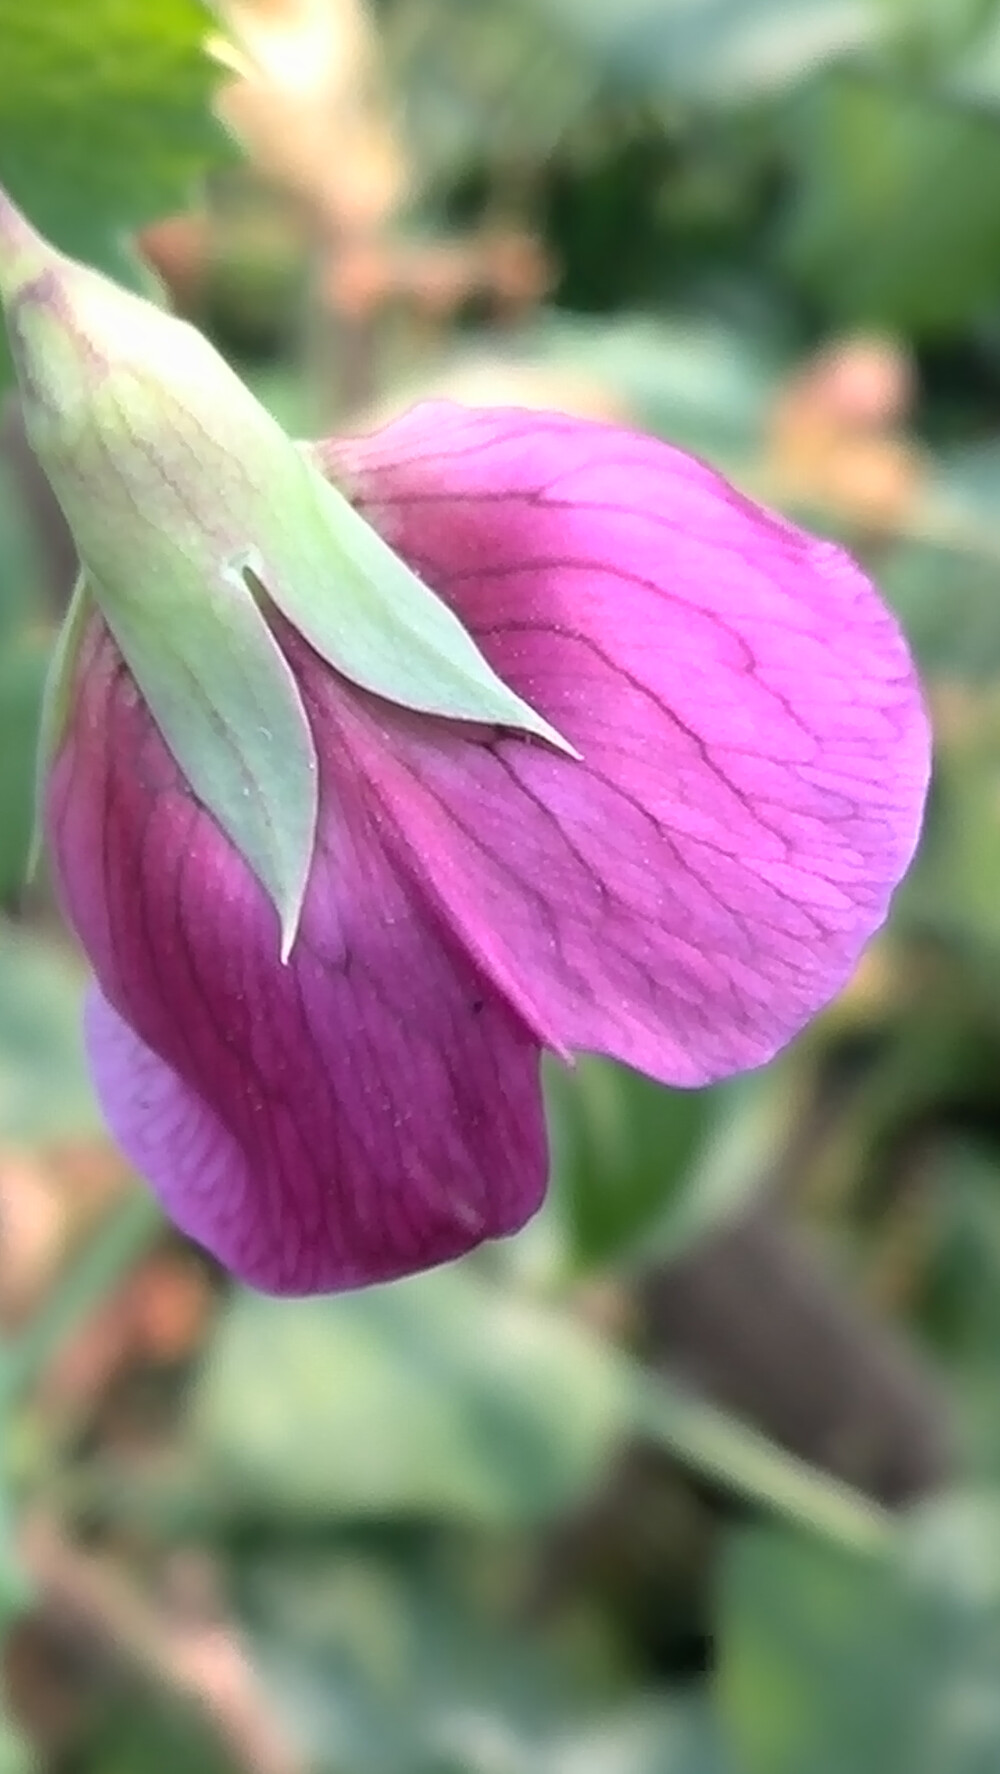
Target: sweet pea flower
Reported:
[(675, 858)]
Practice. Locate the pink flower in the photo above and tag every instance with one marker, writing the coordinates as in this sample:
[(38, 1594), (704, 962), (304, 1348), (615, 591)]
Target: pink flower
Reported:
[(754, 760)]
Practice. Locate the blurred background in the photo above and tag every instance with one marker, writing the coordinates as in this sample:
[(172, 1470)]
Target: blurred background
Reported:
[(701, 1473)]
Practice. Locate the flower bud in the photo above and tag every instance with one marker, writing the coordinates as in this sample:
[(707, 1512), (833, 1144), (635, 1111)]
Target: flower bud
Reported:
[(196, 518)]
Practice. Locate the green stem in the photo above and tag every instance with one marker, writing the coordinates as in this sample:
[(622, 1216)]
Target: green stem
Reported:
[(745, 1463)]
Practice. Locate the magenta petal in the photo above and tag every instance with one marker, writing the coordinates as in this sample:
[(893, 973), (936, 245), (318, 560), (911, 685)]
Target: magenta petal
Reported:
[(755, 748), (370, 1109)]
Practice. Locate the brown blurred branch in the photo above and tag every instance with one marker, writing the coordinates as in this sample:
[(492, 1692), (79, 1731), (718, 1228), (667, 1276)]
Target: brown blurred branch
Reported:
[(199, 1663), (753, 1320)]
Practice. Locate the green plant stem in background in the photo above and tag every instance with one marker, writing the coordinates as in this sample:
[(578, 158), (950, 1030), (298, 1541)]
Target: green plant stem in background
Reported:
[(721, 1449)]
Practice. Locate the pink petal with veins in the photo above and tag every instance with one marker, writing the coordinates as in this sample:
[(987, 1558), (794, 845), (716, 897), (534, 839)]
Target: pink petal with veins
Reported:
[(755, 748)]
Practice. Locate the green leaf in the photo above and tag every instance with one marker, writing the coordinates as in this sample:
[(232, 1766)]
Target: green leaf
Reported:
[(705, 386), (446, 1396), (974, 71), (20, 567), (393, 1667), (398, 1668), (955, 634), (439, 1395), (23, 667), (896, 215), (105, 117), (719, 50), (515, 79), (16, 1754), (623, 1148), (642, 1170), (831, 1664), (660, 1736), (55, 703), (15, 1586), (141, 1729), (44, 1091)]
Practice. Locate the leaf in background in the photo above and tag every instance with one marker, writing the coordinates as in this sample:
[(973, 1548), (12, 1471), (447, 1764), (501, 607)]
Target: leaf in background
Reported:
[(44, 1089), (493, 78), (895, 217), (974, 70), (16, 1755), (958, 1307), (829, 1664), (143, 1731), (440, 1395), (15, 1595), (24, 652), (446, 1396), (20, 569), (105, 117), (517, 78), (395, 1666), (15, 1587), (947, 600), (402, 1667), (706, 386), (641, 1172), (23, 667), (660, 1737), (700, 384), (623, 1148), (716, 50)]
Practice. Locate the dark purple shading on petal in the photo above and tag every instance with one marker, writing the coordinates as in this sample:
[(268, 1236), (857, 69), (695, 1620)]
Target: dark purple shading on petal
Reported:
[(370, 1109), (755, 747)]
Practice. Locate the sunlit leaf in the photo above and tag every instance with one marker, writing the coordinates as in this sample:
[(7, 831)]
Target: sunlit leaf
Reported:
[(105, 116), (623, 1149)]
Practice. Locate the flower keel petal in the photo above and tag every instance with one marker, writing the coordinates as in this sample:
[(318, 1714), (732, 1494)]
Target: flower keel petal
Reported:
[(369, 1109)]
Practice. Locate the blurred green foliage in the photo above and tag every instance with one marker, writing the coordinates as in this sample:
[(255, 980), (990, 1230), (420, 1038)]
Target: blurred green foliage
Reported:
[(105, 118), (488, 1521), (827, 1666)]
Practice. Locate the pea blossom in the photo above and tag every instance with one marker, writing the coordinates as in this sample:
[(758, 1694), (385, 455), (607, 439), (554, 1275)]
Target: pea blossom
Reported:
[(673, 856)]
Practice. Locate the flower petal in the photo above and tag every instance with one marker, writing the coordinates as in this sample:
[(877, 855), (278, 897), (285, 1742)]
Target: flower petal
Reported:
[(755, 748), (369, 1109)]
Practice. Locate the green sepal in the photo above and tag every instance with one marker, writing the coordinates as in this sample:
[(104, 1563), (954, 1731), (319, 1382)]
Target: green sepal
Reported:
[(56, 699), (369, 616), (229, 709), (194, 515)]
